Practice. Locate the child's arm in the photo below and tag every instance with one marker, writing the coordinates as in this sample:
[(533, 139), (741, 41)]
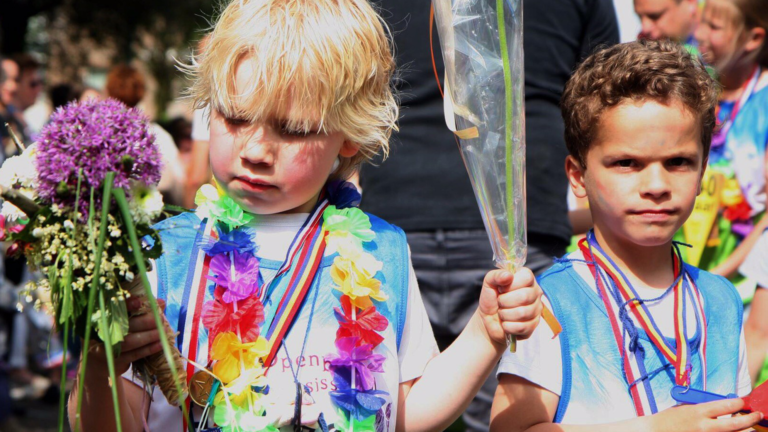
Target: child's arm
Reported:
[(97, 412), (756, 333), (520, 405), (450, 380)]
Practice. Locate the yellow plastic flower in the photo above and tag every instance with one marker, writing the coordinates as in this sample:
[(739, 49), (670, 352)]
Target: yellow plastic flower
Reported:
[(731, 194), (355, 278), (239, 390), (232, 355)]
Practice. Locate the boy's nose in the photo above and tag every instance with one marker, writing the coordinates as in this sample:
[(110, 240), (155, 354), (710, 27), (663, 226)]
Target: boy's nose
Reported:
[(259, 149), (655, 184)]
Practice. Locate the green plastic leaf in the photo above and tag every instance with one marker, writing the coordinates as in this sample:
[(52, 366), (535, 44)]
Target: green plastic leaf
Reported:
[(343, 424), (352, 219)]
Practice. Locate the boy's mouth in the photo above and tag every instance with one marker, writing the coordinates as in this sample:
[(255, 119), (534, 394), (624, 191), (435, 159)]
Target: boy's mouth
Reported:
[(654, 214), (253, 184)]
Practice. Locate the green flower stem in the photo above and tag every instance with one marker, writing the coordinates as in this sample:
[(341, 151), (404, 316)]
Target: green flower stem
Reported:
[(62, 388), (122, 203), (508, 107), (104, 324), (108, 181)]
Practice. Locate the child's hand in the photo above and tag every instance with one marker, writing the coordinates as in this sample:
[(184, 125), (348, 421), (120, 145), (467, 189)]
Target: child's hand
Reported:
[(142, 340), (704, 417), (510, 304)]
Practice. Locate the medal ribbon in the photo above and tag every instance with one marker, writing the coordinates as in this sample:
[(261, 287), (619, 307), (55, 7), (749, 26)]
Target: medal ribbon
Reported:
[(188, 324), (746, 93), (303, 261), (680, 357)]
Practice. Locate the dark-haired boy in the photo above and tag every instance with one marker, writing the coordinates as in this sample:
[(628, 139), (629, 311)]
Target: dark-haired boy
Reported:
[(636, 320)]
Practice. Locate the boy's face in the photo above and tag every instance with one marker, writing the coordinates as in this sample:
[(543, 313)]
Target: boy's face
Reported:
[(643, 172), (268, 168)]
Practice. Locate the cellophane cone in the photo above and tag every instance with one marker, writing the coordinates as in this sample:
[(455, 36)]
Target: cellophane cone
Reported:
[(155, 368)]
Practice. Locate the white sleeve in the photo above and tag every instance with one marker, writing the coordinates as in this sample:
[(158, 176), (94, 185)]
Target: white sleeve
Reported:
[(743, 382), (755, 266), (418, 345), (200, 125), (537, 358)]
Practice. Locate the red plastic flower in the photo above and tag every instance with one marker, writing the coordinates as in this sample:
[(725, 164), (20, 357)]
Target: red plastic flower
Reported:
[(739, 212), (219, 316), (365, 326)]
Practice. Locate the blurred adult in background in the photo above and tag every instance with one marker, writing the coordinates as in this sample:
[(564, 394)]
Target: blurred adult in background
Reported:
[(62, 94), (181, 131), (30, 85), (126, 84), (668, 19), (9, 77), (424, 187)]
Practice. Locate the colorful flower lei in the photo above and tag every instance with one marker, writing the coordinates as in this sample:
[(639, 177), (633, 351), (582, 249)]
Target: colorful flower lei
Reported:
[(234, 318)]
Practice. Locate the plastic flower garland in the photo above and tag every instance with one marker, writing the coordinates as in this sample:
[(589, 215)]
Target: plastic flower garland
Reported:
[(234, 318)]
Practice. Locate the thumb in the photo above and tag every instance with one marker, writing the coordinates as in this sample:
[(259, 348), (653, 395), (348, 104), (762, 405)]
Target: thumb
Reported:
[(496, 282)]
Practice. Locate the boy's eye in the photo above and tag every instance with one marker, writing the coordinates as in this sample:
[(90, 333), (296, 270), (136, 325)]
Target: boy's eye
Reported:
[(625, 163), (236, 121), (295, 133), (679, 162)]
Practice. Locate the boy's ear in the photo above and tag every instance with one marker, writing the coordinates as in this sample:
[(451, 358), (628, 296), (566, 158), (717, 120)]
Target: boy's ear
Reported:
[(755, 39), (575, 174), (348, 149)]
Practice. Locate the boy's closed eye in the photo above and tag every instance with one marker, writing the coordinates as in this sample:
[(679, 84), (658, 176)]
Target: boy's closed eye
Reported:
[(281, 126), (236, 121), (293, 132)]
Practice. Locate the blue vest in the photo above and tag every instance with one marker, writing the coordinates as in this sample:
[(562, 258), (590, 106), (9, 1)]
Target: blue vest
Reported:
[(182, 235), (593, 377)]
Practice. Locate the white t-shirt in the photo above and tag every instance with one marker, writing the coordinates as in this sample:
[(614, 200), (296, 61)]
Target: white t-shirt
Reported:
[(417, 346), (755, 266), (538, 359)]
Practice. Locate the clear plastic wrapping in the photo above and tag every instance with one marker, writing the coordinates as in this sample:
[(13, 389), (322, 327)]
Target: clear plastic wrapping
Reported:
[(482, 46)]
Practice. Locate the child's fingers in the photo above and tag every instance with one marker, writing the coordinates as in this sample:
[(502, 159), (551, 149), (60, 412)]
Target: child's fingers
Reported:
[(519, 297), (136, 340), (739, 422), (500, 280), (528, 312), (722, 407), (141, 323), (139, 353), (521, 330), (523, 278)]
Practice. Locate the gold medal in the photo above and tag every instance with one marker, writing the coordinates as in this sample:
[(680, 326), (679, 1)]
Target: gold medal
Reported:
[(200, 387)]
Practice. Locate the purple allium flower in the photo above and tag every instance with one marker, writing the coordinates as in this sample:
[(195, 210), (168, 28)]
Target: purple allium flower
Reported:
[(97, 136)]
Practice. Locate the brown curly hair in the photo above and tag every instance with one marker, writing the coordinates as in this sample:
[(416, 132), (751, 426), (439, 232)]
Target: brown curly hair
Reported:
[(662, 71)]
